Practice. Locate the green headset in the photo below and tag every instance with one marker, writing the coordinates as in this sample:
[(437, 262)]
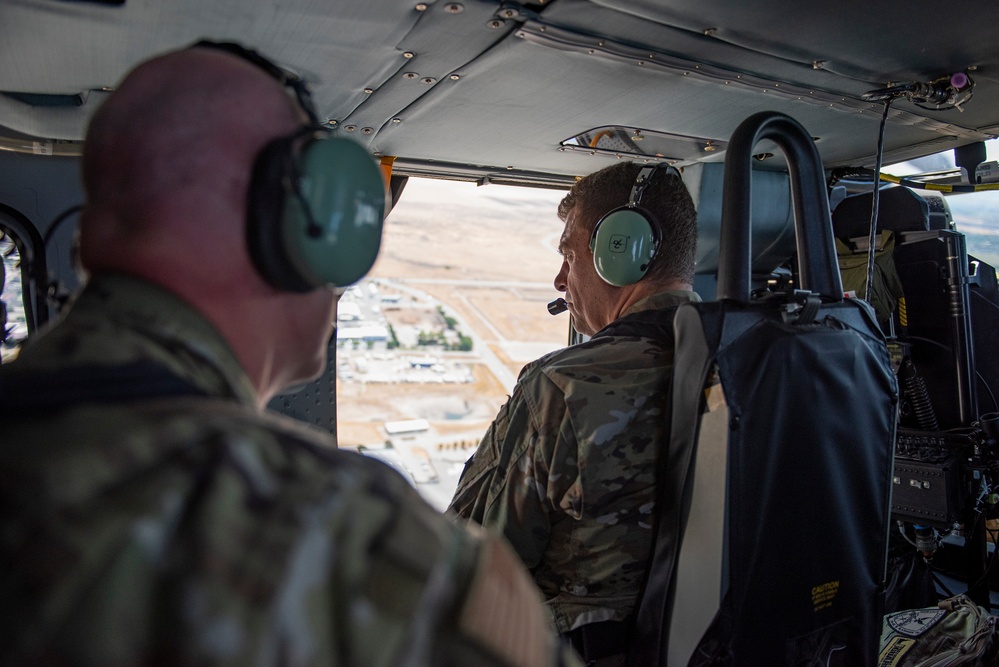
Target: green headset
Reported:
[(625, 240), (316, 203)]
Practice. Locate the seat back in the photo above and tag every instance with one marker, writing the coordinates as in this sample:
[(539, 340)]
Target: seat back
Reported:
[(774, 490), (899, 210), (773, 223)]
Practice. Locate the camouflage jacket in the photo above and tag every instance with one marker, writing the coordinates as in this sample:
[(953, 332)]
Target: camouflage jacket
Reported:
[(566, 470), (196, 529)]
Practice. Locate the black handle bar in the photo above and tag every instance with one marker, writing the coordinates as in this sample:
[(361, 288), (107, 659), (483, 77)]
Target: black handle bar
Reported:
[(817, 265)]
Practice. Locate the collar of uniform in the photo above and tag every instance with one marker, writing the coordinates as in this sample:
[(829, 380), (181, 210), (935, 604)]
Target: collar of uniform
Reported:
[(662, 300), (171, 330)]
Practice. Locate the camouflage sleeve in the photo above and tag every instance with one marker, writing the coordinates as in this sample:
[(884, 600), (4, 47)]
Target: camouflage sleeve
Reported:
[(497, 617), (505, 485), (239, 539)]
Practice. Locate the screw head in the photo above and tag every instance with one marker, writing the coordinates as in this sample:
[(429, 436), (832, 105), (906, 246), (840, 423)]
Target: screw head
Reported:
[(454, 7)]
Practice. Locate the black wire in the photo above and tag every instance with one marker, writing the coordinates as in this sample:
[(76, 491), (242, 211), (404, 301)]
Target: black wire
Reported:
[(61, 218), (985, 384), (983, 579), (874, 203), (923, 339), (934, 569)]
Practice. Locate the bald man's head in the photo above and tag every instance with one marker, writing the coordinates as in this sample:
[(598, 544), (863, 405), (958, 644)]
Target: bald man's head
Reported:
[(167, 166), (175, 144)]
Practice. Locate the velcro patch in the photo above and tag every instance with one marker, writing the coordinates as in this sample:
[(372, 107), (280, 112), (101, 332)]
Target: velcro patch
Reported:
[(914, 622), (894, 651)]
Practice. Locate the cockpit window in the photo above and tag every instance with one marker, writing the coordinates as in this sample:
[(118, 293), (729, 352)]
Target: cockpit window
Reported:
[(975, 214), (977, 217)]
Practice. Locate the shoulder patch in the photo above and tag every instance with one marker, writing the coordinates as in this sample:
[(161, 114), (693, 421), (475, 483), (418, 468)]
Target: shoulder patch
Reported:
[(914, 622)]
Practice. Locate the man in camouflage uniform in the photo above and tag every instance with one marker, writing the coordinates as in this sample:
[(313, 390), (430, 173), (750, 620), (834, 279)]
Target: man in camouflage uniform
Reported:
[(152, 512), (566, 470)]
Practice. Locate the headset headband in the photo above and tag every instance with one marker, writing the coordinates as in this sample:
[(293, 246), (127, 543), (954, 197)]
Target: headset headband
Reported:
[(643, 180), (284, 76)]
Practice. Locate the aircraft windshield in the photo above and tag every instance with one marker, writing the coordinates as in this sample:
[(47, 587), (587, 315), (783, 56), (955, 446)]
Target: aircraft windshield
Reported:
[(976, 214)]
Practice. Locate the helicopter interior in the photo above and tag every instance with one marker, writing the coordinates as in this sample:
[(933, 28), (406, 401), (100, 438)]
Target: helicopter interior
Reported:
[(541, 92)]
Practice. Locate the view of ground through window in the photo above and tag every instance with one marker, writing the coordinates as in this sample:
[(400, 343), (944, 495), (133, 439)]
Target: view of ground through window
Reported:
[(431, 342)]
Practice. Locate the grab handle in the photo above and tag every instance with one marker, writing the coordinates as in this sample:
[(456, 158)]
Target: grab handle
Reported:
[(818, 267)]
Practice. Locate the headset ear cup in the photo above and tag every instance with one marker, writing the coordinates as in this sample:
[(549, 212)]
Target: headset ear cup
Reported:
[(266, 203), (333, 223), (315, 213), (623, 243)]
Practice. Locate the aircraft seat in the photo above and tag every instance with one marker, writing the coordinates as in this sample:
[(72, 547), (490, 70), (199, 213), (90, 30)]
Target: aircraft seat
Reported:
[(773, 223), (899, 210), (774, 489)]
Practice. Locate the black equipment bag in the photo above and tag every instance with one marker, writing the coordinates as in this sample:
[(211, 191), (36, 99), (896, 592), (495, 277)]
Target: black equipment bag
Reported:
[(774, 494)]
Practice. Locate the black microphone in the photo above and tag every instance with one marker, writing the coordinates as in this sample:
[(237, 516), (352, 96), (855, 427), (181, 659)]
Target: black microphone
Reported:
[(558, 306)]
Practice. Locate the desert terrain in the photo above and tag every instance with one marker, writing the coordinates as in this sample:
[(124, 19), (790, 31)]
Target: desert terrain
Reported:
[(487, 255)]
